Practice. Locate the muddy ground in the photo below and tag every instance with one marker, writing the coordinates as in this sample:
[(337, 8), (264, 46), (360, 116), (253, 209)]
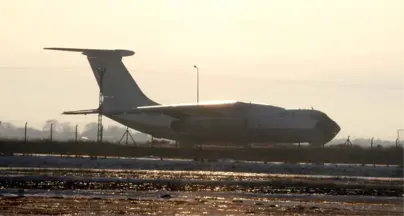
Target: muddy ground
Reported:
[(197, 206)]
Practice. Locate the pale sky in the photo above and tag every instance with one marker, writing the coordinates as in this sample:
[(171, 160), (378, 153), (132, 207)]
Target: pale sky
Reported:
[(344, 57)]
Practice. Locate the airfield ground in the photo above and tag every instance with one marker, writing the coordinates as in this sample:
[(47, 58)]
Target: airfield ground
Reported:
[(69, 183), (50, 185)]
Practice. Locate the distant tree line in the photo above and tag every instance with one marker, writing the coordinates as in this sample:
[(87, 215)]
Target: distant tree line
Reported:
[(63, 131)]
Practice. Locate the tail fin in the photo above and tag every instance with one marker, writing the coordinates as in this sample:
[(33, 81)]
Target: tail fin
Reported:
[(119, 88)]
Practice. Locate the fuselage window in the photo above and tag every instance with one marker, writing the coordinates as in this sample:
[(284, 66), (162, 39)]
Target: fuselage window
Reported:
[(283, 114)]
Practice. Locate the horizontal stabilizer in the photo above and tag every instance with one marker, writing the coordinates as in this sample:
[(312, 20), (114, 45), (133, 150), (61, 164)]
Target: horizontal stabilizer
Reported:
[(96, 111), (81, 112), (121, 52)]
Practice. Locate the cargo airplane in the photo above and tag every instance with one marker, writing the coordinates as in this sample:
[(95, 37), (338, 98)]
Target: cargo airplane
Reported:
[(233, 122)]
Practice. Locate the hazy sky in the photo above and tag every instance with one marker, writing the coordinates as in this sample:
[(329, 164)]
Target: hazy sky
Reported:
[(344, 57)]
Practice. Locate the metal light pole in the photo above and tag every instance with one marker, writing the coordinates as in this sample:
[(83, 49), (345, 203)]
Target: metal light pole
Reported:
[(197, 84), (398, 133), (100, 129)]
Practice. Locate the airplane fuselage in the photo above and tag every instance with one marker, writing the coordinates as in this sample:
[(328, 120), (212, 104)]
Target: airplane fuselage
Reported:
[(250, 123)]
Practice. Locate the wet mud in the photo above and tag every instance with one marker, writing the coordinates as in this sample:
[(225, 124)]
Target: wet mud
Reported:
[(196, 206)]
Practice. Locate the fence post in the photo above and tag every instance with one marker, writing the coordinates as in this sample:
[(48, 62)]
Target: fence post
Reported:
[(75, 133), (51, 132), (371, 143), (25, 132)]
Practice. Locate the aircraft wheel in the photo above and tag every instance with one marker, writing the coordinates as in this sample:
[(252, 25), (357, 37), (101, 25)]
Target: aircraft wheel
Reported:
[(316, 145), (248, 146)]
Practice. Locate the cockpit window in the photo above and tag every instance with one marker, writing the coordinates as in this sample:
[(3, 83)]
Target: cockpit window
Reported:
[(316, 115)]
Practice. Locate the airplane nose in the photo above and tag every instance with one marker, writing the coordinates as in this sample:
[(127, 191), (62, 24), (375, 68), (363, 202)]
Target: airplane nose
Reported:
[(336, 127), (327, 127)]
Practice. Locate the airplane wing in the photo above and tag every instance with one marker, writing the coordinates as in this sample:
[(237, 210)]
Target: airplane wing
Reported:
[(185, 110), (176, 111)]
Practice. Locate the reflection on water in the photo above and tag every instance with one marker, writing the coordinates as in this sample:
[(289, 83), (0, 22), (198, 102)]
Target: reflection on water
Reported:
[(179, 174), (152, 180), (219, 188)]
